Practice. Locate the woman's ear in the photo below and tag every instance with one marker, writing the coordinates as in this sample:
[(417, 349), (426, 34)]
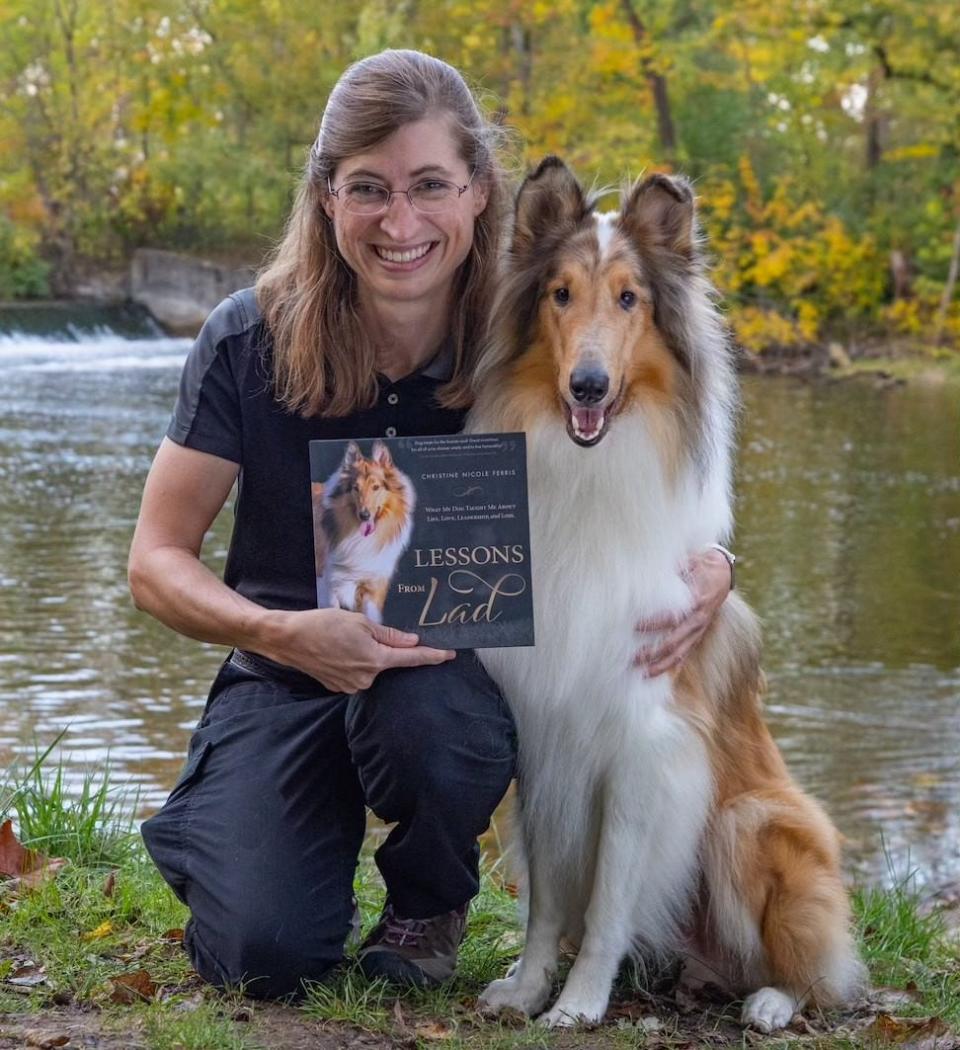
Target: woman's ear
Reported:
[(328, 204), (481, 193)]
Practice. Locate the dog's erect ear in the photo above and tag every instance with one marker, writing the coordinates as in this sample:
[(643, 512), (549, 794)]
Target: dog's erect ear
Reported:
[(351, 456), (657, 213), (550, 203), (381, 455)]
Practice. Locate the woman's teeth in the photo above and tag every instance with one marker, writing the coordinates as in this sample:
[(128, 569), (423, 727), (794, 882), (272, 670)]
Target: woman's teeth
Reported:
[(404, 257)]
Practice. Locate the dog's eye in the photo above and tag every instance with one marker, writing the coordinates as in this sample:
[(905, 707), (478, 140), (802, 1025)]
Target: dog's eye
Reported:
[(628, 299), (562, 296)]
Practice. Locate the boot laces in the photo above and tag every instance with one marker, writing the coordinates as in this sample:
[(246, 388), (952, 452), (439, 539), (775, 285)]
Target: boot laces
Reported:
[(401, 932)]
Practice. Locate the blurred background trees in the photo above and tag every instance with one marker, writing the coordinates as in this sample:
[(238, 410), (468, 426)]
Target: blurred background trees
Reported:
[(824, 136)]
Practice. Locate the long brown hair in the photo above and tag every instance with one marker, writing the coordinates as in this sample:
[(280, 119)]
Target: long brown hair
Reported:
[(323, 359)]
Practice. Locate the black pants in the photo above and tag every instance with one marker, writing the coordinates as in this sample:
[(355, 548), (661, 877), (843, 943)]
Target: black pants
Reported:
[(260, 835)]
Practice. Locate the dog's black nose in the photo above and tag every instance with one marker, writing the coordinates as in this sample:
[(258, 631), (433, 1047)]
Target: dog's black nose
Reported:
[(364, 515), (589, 385)]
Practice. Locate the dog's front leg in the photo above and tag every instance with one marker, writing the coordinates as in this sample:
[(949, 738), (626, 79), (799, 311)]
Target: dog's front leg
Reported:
[(607, 937), (527, 987)]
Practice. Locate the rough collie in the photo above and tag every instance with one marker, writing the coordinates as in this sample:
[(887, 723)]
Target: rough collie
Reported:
[(657, 814), (365, 517)]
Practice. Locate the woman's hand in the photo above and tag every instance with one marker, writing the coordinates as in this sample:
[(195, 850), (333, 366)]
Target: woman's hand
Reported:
[(710, 578), (343, 650)]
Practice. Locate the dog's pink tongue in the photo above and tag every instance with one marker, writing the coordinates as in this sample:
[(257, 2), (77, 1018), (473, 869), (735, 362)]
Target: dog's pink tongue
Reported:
[(588, 420), (366, 528)]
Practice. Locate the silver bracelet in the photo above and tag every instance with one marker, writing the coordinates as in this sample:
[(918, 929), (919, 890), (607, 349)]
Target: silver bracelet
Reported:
[(731, 561)]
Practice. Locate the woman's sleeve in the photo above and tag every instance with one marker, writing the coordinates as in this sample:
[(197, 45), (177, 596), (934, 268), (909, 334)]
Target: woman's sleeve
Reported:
[(207, 413)]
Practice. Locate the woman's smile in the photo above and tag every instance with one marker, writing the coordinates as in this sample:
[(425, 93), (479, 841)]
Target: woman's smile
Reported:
[(405, 258)]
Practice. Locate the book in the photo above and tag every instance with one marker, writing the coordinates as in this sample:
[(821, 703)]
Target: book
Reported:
[(428, 534)]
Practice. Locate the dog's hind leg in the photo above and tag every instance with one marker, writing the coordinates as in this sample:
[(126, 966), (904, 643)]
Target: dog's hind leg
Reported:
[(779, 909), (527, 987)]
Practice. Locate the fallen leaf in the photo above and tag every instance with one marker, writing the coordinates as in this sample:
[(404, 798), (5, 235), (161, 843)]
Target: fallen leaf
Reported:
[(110, 884), (886, 1000), (918, 1033), (132, 987), (103, 930), (18, 862), (398, 1017), (27, 976), (173, 935), (432, 1030), (45, 1040)]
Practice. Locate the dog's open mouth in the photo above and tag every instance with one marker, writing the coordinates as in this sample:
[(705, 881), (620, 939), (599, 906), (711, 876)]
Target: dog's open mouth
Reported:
[(586, 426)]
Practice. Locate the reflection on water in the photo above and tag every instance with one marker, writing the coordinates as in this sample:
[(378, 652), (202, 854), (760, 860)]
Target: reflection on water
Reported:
[(848, 534)]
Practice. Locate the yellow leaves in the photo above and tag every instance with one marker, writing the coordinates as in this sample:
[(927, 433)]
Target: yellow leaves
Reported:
[(103, 930), (918, 151)]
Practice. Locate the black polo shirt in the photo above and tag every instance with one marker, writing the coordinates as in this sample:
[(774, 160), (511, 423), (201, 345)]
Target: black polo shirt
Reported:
[(226, 407)]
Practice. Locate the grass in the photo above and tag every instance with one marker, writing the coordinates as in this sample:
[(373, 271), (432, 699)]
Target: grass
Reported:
[(109, 913)]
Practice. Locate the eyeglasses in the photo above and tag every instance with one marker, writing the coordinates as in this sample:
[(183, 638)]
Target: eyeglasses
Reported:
[(369, 198)]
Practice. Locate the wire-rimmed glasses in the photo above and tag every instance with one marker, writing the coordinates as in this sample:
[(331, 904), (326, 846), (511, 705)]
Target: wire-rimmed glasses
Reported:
[(362, 197)]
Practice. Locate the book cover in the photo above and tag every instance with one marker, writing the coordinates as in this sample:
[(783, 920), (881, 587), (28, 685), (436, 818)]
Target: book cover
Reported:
[(428, 534)]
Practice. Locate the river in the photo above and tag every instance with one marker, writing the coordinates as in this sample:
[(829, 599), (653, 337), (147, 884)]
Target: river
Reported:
[(848, 535)]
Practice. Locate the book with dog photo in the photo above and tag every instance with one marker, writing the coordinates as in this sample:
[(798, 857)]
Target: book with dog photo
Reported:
[(428, 534)]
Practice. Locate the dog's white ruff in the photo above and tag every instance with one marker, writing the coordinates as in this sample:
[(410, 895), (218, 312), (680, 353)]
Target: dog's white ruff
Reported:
[(615, 786)]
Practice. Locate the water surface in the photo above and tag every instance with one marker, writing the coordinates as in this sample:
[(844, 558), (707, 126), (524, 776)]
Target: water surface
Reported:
[(848, 536)]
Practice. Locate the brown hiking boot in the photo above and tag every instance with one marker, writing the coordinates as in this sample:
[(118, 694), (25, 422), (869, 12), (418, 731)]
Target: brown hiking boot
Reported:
[(420, 952)]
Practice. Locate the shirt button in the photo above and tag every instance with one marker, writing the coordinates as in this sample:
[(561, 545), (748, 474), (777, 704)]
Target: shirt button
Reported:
[(391, 432), (392, 399)]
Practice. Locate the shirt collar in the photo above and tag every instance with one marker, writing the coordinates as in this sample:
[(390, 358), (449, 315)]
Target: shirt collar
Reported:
[(440, 366)]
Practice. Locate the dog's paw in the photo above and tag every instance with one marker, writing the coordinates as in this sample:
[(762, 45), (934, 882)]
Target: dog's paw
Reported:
[(768, 1010), (569, 1014), (512, 994)]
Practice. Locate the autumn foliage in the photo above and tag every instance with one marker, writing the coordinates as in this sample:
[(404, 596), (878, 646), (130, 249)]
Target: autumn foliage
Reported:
[(822, 136)]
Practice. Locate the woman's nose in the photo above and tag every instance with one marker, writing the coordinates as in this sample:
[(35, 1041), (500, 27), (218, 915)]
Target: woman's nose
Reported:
[(400, 220)]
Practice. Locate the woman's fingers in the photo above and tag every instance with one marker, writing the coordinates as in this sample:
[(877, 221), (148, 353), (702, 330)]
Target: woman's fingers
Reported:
[(421, 654), (392, 636)]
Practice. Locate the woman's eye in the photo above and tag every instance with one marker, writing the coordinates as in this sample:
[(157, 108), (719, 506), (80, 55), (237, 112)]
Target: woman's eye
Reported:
[(562, 296), (628, 299), (364, 190)]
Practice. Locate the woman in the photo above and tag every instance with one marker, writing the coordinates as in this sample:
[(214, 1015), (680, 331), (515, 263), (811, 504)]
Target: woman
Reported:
[(367, 323)]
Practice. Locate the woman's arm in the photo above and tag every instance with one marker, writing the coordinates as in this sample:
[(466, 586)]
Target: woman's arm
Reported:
[(711, 580), (184, 491)]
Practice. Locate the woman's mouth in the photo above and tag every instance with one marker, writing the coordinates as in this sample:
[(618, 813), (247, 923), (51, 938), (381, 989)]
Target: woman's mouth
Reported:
[(405, 256)]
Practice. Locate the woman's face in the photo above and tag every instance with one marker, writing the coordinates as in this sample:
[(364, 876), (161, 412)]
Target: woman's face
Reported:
[(433, 245)]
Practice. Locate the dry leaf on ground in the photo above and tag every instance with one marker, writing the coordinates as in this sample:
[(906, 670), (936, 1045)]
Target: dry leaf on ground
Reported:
[(27, 976), (103, 930), (432, 1030), (45, 1040), (132, 987), (918, 1033), (27, 865)]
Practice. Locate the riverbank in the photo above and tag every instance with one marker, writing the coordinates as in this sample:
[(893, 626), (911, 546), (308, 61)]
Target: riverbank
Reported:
[(173, 295), (91, 956)]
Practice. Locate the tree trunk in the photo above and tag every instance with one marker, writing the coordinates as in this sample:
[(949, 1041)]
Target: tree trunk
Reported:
[(948, 288), (657, 82)]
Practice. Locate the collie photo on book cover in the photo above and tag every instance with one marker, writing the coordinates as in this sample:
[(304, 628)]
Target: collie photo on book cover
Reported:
[(429, 534)]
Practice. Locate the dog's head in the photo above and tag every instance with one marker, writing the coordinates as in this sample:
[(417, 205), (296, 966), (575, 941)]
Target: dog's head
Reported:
[(367, 483), (604, 297)]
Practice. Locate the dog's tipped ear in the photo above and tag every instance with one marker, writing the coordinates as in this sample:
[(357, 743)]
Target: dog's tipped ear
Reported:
[(550, 202), (351, 455), (657, 212), (381, 454)]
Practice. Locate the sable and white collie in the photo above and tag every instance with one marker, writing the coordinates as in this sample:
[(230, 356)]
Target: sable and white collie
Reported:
[(365, 515), (657, 814)]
